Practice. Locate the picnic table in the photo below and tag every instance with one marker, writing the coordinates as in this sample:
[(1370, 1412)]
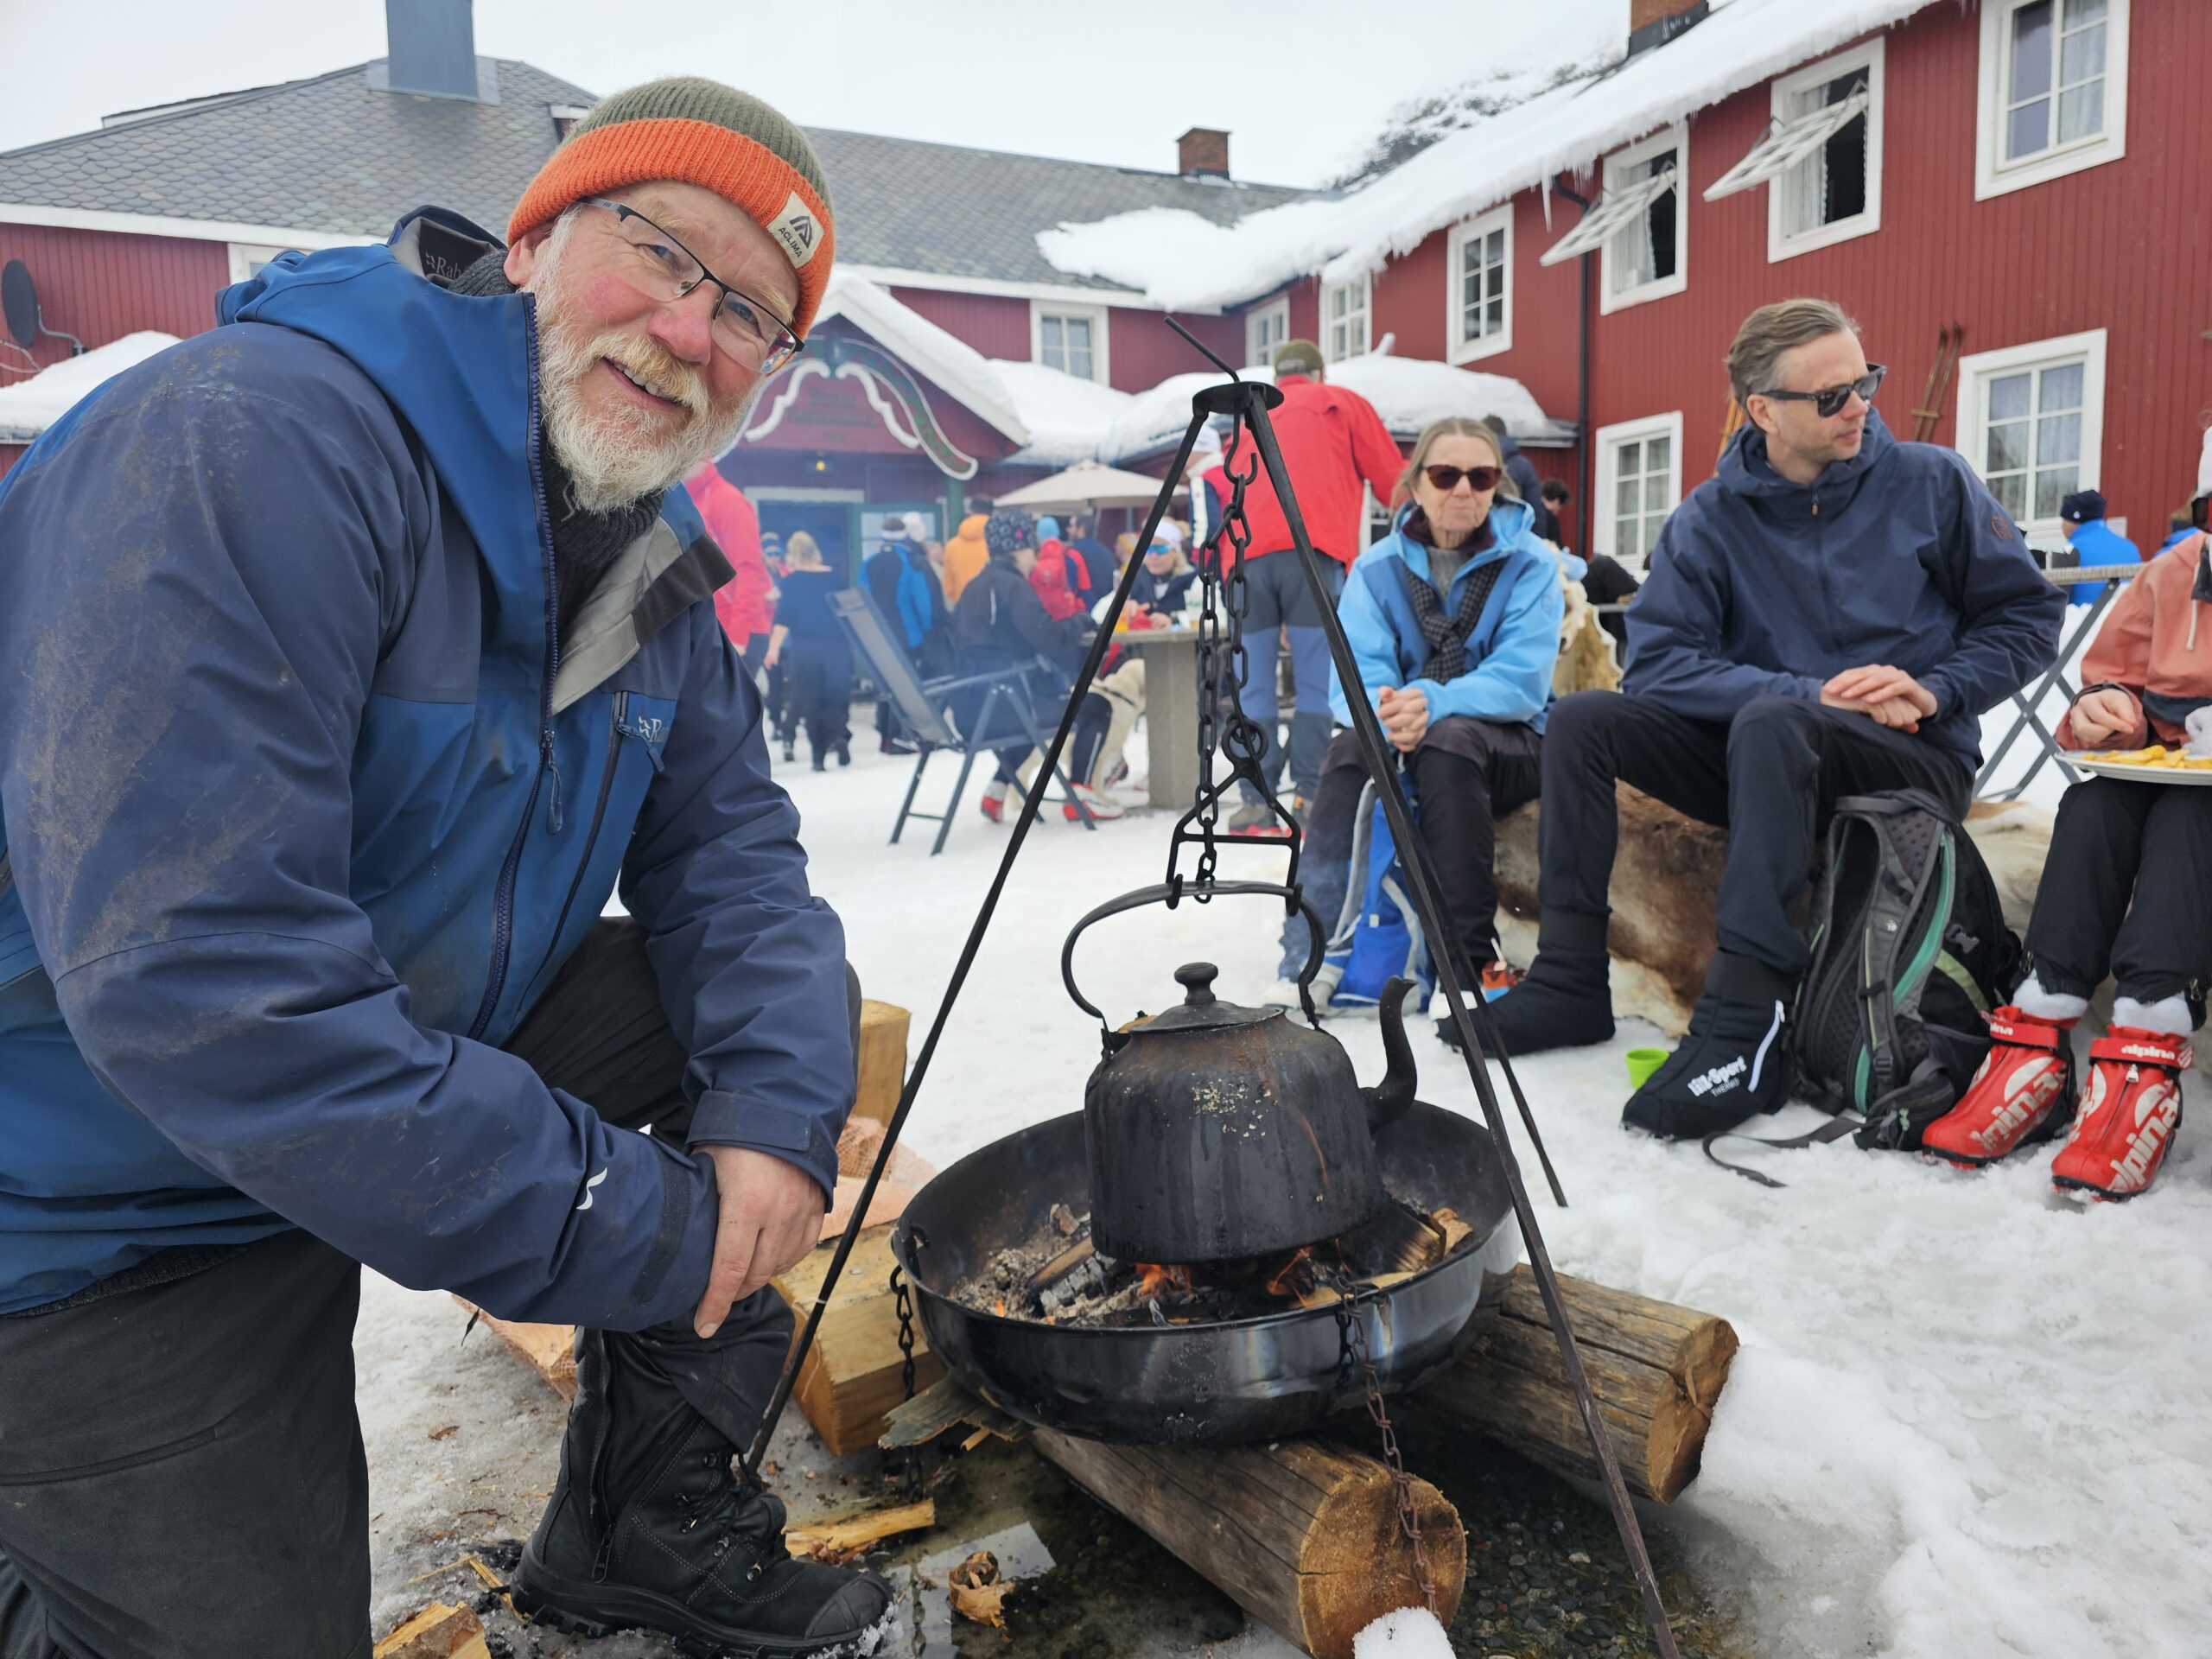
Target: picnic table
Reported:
[(1170, 712)]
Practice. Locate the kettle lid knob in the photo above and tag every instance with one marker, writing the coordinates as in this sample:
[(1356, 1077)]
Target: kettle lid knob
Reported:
[(1196, 979)]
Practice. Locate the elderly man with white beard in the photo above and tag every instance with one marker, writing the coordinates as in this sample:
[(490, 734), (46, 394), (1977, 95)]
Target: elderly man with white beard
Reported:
[(358, 648)]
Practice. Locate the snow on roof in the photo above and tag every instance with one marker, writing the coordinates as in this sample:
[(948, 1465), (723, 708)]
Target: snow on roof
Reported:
[(29, 407), (1178, 259), (1067, 417), (1409, 393), (928, 350)]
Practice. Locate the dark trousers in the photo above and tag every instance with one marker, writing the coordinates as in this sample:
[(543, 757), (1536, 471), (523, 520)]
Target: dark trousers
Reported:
[(181, 1467), (1083, 743), (819, 691), (1466, 775), (2126, 890), (1279, 602), (1771, 776)]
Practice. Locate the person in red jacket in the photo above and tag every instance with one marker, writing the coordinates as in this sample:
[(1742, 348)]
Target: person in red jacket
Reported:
[(746, 604), (1333, 444)]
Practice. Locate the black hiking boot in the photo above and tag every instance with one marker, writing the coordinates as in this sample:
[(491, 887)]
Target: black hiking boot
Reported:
[(1566, 999), (649, 1528), (1733, 1062)]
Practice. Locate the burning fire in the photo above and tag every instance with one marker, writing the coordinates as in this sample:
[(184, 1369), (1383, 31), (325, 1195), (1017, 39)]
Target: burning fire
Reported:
[(1287, 1281), (1157, 1282)]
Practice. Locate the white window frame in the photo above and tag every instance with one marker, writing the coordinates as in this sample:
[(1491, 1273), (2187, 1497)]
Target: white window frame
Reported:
[(1676, 137), (1976, 370), (246, 255), (1780, 244), (1100, 364), (1458, 348), (1258, 323), (1600, 513), (1992, 176), (1364, 287)]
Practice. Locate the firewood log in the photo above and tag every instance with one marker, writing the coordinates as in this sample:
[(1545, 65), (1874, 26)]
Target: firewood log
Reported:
[(1303, 1535), (439, 1631)]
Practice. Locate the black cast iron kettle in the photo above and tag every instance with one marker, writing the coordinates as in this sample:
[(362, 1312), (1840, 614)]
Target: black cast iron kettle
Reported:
[(1216, 1132)]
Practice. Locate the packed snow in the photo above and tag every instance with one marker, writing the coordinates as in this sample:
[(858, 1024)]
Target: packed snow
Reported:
[(29, 407), (1409, 1633), (1176, 258), (1967, 1418), (1067, 417)]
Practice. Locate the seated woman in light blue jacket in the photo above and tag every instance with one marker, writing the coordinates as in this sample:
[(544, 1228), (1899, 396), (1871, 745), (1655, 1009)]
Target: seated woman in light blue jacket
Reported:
[(1454, 617)]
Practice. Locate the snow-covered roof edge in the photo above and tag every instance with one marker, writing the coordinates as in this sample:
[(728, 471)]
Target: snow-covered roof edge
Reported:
[(28, 406), (925, 348), (1741, 43)]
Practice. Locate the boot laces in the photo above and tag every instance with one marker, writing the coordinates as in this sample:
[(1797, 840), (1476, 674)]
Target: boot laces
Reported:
[(737, 1511)]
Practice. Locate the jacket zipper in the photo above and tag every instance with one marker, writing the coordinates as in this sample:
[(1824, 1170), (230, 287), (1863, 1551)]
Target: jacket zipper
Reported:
[(503, 899), (591, 836)]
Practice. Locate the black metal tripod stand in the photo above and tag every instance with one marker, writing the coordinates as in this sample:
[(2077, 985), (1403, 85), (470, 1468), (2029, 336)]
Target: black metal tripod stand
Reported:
[(1248, 403)]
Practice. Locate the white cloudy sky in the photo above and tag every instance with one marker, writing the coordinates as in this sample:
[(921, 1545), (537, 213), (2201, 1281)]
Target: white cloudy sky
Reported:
[(1298, 83)]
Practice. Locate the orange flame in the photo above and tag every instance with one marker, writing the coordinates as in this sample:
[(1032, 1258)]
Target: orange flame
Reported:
[(1155, 1281), (1284, 1283)]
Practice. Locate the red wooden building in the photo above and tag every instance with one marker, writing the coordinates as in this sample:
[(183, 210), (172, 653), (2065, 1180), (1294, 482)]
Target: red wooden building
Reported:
[(2036, 171)]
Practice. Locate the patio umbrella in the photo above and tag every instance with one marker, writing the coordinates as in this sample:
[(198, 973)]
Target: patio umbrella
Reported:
[(1086, 483)]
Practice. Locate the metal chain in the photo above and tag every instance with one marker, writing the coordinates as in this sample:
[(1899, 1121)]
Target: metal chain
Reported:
[(905, 1305), (1223, 659), (1353, 1353)]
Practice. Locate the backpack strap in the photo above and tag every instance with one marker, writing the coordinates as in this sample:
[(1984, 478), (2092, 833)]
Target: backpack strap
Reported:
[(1893, 1122)]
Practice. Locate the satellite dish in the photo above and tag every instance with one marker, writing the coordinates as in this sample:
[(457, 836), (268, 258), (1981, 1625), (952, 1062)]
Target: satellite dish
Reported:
[(19, 300)]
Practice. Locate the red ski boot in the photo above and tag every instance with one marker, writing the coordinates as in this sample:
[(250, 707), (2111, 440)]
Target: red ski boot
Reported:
[(2023, 1090), (2129, 1114)]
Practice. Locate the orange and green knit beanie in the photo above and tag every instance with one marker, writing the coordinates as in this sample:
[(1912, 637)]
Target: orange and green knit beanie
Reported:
[(703, 133)]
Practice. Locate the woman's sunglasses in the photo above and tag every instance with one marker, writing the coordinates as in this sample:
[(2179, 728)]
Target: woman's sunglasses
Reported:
[(1828, 402), (1445, 480)]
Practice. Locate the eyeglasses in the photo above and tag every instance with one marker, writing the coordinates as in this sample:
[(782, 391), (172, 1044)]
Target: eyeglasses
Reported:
[(1447, 479), (1828, 402), (664, 269)]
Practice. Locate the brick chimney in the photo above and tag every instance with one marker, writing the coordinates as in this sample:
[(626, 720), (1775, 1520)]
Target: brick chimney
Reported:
[(1655, 23), (432, 46), (1201, 153)]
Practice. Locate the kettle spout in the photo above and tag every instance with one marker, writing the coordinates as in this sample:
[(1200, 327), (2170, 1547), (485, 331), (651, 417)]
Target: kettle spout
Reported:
[(1387, 1099)]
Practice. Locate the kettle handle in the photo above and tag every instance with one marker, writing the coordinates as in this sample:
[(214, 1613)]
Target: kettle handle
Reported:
[(1170, 896)]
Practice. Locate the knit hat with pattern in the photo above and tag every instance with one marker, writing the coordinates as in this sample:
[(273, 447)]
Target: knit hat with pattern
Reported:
[(1005, 532), (704, 133)]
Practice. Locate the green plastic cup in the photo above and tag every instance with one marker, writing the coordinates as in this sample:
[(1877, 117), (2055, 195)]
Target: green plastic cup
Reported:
[(1641, 1063)]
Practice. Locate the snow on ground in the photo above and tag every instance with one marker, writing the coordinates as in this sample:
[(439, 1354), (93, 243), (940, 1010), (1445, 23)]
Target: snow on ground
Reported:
[(1966, 1419), (29, 407)]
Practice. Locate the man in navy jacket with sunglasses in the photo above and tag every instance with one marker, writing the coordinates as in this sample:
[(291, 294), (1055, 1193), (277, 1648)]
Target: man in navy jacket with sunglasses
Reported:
[(1830, 615)]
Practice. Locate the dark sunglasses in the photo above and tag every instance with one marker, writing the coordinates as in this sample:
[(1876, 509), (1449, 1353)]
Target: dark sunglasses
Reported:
[(1828, 402), (1447, 479)]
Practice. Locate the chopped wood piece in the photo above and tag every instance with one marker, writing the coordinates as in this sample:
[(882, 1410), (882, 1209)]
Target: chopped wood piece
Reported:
[(1303, 1535), (838, 1542), (977, 1591), (1656, 1370), (851, 1378), (549, 1349), (883, 1059), (942, 1407), (439, 1631)]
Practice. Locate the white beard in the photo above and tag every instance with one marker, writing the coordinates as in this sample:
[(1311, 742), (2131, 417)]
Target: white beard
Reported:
[(616, 456)]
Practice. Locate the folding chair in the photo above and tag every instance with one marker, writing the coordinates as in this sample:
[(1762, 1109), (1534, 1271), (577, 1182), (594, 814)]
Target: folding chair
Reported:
[(925, 706)]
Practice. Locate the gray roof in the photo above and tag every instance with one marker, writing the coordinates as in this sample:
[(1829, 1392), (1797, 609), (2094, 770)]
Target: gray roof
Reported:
[(336, 154), (330, 154)]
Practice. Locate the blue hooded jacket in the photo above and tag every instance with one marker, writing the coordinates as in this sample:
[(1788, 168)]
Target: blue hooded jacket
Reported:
[(2098, 543), (306, 799), (1762, 587), (1510, 654)]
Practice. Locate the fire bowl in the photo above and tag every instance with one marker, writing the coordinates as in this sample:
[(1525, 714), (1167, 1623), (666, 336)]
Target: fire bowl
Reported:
[(1206, 1382)]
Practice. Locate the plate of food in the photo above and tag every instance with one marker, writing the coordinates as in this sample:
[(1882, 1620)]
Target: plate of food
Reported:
[(2159, 763)]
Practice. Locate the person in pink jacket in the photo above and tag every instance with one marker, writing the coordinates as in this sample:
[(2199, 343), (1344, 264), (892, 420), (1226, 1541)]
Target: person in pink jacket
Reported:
[(746, 604), (2126, 890)]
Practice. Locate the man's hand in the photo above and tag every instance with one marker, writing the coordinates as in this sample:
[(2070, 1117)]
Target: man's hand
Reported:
[(1887, 696), (770, 1216), (2102, 714), (1404, 715), (775, 652)]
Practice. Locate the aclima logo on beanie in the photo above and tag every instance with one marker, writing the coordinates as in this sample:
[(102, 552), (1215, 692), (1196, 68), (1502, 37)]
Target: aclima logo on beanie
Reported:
[(701, 132)]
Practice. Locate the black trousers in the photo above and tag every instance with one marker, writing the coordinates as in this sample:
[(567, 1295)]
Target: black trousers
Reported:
[(1092, 723), (2126, 890), (1466, 774), (1771, 775), (818, 680), (182, 1474)]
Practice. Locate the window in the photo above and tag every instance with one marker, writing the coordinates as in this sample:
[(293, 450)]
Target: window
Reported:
[(2031, 420), (1266, 327), (1822, 158), (1070, 338), (248, 257), (1638, 223), (1639, 482), (1344, 319), (1480, 320), (2053, 90)]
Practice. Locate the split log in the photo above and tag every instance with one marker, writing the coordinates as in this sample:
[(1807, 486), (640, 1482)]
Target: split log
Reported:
[(549, 1349), (1656, 1370), (439, 1631), (883, 1059), (851, 1376), (1303, 1535), (839, 1541)]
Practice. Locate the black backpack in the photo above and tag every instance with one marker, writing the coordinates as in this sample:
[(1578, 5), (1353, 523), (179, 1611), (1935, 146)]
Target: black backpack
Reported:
[(1909, 951)]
